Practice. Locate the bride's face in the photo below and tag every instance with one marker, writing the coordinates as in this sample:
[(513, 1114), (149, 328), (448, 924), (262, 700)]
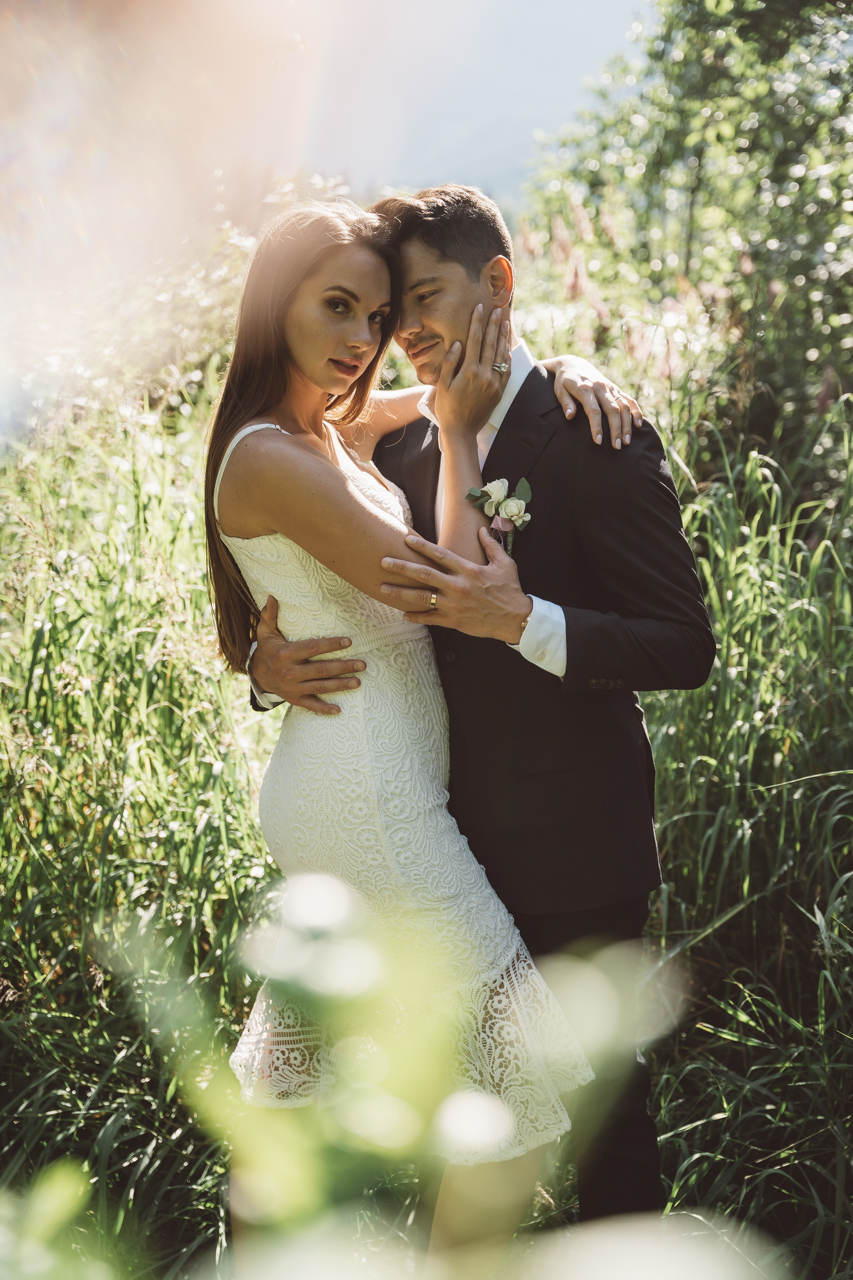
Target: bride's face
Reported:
[(334, 324)]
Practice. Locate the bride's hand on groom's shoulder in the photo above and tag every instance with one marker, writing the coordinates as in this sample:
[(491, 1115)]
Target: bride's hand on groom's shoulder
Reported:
[(289, 670), (578, 381)]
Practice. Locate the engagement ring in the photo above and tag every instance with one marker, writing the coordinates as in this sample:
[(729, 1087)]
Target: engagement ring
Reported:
[(433, 600), (500, 368)]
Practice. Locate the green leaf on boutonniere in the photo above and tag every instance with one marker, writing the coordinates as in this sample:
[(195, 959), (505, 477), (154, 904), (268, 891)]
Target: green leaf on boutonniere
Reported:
[(479, 497), (523, 490)]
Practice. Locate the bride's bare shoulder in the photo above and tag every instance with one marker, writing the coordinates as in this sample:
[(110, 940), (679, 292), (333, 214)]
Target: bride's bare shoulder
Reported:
[(265, 445), (266, 469)]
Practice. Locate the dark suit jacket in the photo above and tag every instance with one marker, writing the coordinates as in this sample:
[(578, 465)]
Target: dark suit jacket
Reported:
[(553, 781)]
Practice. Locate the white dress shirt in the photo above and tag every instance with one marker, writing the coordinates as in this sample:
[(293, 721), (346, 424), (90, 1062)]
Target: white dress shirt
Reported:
[(543, 641)]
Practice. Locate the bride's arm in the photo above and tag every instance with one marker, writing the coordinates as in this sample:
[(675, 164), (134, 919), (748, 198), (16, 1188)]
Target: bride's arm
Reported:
[(274, 483), (277, 483), (577, 382), (386, 411), (457, 393)]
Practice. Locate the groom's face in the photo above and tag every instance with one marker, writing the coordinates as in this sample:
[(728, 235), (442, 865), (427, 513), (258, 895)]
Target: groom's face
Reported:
[(438, 298)]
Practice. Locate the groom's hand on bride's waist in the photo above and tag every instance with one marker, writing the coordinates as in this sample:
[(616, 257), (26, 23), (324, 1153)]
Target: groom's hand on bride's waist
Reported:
[(289, 670), (478, 599)]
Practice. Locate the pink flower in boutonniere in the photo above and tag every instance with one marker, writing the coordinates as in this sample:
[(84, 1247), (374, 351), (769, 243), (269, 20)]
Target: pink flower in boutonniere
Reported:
[(509, 511)]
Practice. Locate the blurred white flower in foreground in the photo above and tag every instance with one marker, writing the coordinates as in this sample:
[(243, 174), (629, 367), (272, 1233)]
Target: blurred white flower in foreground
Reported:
[(305, 940), (682, 1246), (379, 1118), (327, 1250), (342, 967), (650, 1248), (614, 1000), (468, 1122), (317, 902)]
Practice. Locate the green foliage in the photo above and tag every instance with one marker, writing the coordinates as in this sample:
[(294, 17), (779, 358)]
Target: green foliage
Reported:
[(710, 178), (125, 792), (756, 793), (770, 29)]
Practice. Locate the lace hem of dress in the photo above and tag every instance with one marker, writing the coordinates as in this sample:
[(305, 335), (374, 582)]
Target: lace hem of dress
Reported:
[(513, 1043)]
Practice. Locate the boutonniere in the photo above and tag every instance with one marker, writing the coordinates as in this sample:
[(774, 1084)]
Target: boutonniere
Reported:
[(509, 510)]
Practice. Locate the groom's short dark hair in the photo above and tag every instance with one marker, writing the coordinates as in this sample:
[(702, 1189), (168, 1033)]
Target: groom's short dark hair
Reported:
[(460, 223)]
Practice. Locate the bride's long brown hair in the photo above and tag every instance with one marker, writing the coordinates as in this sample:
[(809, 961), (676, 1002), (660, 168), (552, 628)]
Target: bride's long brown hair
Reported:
[(288, 251)]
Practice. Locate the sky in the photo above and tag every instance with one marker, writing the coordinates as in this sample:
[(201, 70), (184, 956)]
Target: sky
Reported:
[(456, 97), (129, 126)]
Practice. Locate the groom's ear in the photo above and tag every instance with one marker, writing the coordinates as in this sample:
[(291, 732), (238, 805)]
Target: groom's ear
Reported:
[(499, 279)]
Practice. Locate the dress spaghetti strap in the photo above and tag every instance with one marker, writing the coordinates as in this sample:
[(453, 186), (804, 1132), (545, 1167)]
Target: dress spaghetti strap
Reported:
[(245, 431)]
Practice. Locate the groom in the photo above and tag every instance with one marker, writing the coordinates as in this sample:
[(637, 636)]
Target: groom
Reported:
[(552, 778)]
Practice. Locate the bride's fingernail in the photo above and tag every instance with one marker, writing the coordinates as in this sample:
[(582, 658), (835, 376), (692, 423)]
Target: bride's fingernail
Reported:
[(413, 540), (386, 591), (386, 562), (628, 439)]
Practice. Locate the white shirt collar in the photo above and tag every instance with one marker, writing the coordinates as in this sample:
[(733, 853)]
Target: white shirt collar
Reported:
[(522, 364)]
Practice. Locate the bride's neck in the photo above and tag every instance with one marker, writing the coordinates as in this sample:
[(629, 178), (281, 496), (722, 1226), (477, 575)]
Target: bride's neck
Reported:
[(303, 407)]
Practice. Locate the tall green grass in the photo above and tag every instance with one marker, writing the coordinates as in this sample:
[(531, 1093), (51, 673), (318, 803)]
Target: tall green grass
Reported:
[(755, 790), (125, 789), (130, 765)]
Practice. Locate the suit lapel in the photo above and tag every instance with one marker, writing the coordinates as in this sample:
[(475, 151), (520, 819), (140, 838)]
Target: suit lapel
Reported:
[(524, 432), (523, 435), (421, 463)]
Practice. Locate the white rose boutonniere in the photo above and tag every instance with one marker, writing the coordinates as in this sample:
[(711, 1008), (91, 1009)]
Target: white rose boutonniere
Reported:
[(509, 510), (497, 491)]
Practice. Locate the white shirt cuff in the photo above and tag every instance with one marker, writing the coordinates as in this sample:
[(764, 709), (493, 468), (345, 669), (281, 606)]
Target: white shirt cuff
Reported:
[(543, 641), (265, 700)]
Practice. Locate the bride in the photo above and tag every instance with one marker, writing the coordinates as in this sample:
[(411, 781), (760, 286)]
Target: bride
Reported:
[(293, 513)]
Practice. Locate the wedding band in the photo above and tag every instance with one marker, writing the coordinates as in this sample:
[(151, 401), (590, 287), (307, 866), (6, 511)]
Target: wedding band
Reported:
[(500, 368), (433, 600)]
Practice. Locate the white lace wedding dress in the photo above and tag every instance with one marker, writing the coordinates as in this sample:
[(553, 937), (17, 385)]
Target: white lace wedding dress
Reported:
[(362, 796)]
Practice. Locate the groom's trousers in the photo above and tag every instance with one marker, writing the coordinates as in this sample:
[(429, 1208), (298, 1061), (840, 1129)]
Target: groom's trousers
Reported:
[(614, 1139)]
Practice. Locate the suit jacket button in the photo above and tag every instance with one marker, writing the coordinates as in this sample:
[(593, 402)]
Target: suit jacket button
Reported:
[(449, 655), (593, 684)]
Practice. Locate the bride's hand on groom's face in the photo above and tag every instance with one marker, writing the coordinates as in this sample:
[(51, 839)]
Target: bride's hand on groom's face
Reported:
[(469, 385), (288, 670)]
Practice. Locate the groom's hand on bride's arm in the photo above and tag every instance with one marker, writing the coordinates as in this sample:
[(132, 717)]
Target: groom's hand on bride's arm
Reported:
[(579, 381), (287, 670), (478, 599)]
